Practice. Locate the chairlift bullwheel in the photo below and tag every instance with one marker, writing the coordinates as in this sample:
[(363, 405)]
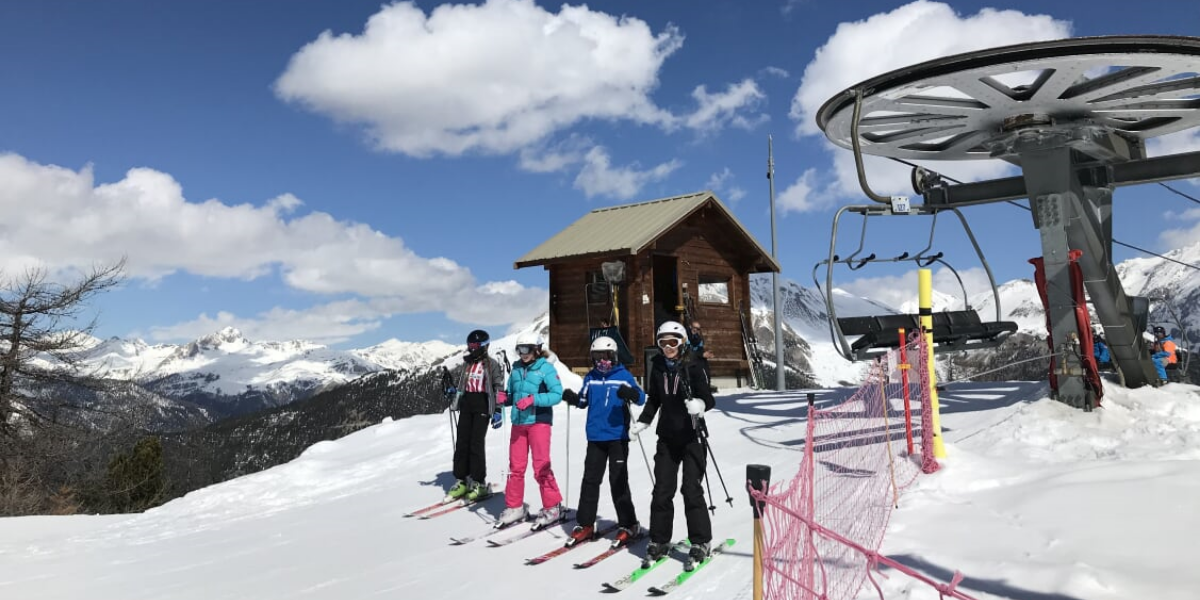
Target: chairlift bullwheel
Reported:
[(959, 107)]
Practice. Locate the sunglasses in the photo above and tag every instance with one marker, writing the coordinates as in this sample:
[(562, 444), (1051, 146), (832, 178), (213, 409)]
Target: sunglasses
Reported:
[(476, 345), (669, 342), (526, 348)]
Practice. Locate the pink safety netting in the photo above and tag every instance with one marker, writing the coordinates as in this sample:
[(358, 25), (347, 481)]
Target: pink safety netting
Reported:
[(823, 528)]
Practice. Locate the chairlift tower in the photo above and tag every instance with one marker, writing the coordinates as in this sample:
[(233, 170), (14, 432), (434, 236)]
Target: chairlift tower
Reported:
[(1074, 115)]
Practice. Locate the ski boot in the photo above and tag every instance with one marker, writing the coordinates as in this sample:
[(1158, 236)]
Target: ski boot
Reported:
[(625, 535), (479, 491), (696, 555), (549, 516), (581, 533), (510, 516), (459, 490), (655, 551)]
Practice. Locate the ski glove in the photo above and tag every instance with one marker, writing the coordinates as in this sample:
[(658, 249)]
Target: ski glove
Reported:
[(525, 402), (637, 429), (501, 398), (571, 397), (451, 391), (627, 393), (497, 419), (695, 407)]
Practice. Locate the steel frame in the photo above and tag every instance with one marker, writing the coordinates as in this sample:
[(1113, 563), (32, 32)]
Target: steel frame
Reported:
[(1074, 115)]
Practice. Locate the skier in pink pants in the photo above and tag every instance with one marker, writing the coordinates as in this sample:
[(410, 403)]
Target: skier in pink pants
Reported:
[(533, 388)]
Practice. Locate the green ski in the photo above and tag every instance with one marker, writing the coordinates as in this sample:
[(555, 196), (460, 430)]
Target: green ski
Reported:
[(638, 573), (682, 578)]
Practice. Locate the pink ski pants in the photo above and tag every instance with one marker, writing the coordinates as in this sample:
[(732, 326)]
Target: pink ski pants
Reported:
[(526, 440)]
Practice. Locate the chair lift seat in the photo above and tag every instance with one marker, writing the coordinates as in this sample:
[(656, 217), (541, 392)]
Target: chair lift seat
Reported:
[(954, 329)]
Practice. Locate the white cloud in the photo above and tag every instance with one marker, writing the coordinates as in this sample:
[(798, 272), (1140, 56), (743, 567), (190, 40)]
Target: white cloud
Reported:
[(62, 219), (715, 110), (551, 158), (895, 290), (1184, 236), (802, 195), (908, 35), (790, 6), (1176, 143), (599, 178), (722, 183), (776, 72), (494, 77)]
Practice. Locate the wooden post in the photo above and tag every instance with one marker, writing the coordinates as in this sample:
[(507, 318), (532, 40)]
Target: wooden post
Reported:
[(759, 477)]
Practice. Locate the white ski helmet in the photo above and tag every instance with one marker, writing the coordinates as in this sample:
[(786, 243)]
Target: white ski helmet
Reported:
[(604, 344), (529, 338), (672, 328)]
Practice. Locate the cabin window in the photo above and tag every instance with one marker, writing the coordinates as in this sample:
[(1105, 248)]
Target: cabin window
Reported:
[(714, 289)]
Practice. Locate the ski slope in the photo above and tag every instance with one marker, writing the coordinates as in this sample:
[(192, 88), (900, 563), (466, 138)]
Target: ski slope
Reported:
[(1035, 502)]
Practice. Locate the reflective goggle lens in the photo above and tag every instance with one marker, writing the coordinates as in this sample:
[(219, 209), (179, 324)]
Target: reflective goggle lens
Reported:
[(476, 345), (669, 342), (525, 348)]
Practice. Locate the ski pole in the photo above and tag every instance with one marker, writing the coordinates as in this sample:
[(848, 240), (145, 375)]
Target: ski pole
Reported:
[(703, 431), (568, 502), (647, 459), (629, 419), (712, 507)]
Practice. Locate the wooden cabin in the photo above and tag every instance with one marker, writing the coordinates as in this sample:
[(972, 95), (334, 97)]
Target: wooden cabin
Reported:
[(634, 266)]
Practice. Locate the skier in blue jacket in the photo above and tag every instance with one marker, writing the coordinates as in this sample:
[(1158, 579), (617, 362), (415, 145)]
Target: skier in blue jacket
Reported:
[(608, 390)]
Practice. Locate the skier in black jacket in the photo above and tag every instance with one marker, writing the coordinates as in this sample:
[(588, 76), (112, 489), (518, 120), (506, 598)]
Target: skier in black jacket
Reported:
[(677, 388)]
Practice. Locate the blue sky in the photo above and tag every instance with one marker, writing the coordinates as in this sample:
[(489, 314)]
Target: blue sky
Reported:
[(349, 172)]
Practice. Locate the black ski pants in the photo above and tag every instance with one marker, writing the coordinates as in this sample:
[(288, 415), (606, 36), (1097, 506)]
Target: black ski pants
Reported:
[(667, 460), (473, 423), (614, 455)]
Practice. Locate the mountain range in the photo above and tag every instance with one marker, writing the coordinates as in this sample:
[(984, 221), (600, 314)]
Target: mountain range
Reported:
[(227, 374)]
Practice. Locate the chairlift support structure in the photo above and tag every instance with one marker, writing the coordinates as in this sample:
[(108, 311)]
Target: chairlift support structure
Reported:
[(952, 330), (1074, 115)]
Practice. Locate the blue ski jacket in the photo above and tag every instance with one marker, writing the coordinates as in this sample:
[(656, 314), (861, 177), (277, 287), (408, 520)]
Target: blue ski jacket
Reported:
[(540, 380), (607, 417)]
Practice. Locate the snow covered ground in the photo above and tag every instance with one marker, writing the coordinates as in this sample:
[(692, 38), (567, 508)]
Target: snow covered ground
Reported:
[(1035, 502)]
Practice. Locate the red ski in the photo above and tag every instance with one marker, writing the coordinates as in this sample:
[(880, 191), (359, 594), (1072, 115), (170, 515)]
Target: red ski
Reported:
[(611, 551), (537, 560)]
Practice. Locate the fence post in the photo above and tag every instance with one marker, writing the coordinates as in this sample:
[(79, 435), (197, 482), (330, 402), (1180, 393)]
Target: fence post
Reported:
[(925, 301), (904, 366), (759, 477)]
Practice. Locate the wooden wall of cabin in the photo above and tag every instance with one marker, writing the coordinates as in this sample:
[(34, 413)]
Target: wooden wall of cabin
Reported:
[(570, 311), (706, 253)]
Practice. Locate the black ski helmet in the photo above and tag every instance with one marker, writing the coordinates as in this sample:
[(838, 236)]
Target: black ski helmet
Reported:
[(477, 345), (1159, 330)]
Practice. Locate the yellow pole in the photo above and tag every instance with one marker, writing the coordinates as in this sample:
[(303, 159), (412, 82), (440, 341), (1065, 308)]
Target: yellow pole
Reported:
[(925, 302)]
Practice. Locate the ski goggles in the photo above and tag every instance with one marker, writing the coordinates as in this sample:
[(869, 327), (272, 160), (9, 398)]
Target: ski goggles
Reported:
[(476, 345), (526, 348), (669, 342)]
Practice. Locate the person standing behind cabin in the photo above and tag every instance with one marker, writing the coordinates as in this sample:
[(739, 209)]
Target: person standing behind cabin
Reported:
[(607, 391), (479, 392), (677, 388), (697, 350), (534, 388)]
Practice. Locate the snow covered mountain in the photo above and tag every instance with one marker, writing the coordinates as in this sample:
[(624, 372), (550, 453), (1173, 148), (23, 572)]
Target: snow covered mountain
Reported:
[(232, 374)]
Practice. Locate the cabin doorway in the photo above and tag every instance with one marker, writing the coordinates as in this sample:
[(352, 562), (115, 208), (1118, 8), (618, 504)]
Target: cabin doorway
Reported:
[(666, 289)]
